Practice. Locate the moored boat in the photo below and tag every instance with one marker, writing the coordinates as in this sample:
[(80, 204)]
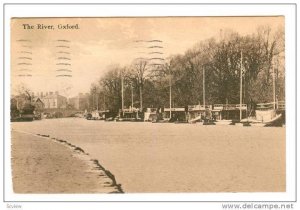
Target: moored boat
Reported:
[(265, 115)]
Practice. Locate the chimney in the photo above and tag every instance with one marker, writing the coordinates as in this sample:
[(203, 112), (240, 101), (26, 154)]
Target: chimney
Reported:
[(56, 93), (50, 93)]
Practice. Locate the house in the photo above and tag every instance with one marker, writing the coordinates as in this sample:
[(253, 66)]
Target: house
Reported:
[(54, 101), (38, 104)]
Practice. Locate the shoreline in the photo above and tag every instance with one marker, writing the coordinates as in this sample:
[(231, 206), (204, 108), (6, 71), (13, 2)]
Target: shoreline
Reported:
[(44, 164)]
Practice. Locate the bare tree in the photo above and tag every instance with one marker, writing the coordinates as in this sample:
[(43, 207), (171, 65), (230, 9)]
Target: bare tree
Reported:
[(181, 77), (140, 72)]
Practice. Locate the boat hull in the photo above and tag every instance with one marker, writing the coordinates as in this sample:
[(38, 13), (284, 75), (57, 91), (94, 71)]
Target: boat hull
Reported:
[(223, 122), (276, 121)]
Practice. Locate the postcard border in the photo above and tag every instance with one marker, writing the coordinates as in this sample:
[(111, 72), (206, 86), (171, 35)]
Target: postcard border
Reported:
[(4, 126)]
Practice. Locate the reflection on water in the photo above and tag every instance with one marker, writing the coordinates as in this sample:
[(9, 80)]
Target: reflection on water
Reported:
[(152, 157)]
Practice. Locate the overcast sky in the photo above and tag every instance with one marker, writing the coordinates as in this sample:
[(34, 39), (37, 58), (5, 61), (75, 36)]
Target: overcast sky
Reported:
[(101, 42)]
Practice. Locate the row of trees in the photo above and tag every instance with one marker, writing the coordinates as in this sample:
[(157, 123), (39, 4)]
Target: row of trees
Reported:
[(145, 85)]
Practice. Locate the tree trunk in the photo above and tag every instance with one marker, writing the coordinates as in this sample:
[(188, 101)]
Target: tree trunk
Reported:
[(141, 96)]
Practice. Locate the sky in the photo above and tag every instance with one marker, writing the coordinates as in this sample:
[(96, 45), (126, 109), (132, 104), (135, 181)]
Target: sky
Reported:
[(87, 52)]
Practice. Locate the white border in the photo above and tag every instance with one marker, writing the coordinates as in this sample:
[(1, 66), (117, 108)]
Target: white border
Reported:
[(162, 10)]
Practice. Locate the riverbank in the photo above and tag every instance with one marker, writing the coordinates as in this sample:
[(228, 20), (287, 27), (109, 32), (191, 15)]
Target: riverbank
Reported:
[(42, 164)]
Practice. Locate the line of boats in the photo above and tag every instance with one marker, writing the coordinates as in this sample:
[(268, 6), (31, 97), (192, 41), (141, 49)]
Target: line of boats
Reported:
[(265, 114)]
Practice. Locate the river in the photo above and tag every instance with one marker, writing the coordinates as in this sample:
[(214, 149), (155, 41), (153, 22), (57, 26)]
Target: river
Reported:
[(156, 157)]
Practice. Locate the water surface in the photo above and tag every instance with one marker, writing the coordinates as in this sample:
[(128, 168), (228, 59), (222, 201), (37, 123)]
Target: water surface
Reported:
[(154, 157)]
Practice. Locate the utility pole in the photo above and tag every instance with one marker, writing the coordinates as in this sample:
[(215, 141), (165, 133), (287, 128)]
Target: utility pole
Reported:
[(241, 85)]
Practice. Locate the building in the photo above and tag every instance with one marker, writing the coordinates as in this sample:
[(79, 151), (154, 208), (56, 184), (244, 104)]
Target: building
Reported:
[(38, 104), (80, 102), (54, 101)]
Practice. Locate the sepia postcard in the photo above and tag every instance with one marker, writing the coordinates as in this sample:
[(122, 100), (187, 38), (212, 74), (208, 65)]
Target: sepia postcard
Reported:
[(148, 104)]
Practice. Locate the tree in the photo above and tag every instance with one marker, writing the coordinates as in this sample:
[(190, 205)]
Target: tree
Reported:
[(110, 85), (22, 103), (221, 59), (140, 73)]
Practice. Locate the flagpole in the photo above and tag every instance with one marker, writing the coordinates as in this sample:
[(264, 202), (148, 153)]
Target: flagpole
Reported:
[(122, 91), (131, 96), (170, 81), (241, 85), (204, 87), (274, 92)]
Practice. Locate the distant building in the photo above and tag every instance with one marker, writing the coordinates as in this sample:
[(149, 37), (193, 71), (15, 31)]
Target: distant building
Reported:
[(54, 101), (80, 102), (38, 104)]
